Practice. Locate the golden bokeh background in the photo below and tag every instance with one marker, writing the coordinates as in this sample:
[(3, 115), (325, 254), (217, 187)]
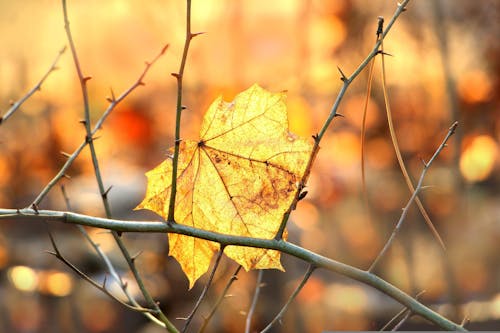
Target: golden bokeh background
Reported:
[(444, 67)]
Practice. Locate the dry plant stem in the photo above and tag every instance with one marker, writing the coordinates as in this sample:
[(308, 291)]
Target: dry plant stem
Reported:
[(258, 286), (348, 80), (111, 269), (205, 290), (363, 132), (36, 88), (178, 112), (113, 103), (224, 239), (400, 158), (89, 139), (222, 296), (412, 198), (280, 315)]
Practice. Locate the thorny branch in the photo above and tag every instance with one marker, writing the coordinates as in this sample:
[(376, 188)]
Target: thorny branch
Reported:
[(413, 197), (90, 141)]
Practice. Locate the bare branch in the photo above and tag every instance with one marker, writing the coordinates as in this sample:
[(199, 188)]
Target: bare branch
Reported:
[(413, 197), (36, 88), (280, 315), (258, 286), (233, 278), (205, 290)]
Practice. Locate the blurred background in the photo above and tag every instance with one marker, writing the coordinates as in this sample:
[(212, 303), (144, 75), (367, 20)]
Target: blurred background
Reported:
[(445, 67)]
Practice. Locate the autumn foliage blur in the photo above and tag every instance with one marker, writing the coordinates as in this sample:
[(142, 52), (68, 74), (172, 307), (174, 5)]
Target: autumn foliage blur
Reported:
[(444, 67)]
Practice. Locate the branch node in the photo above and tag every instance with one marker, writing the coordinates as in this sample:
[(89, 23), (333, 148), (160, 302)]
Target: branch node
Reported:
[(343, 77)]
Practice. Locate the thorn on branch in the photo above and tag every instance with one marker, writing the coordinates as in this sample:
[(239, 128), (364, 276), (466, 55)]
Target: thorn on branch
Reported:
[(135, 256), (83, 121), (65, 175), (183, 107), (343, 77), (339, 115), (86, 78), (35, 208), (65, 154), (176, 75), (105, 194), (195, 34)]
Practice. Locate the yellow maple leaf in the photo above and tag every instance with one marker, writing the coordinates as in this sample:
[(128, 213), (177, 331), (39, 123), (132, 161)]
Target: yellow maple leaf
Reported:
[(239, 178)]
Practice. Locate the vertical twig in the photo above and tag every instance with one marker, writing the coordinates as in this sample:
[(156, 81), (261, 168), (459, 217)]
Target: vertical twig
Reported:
[(413, 197), (258, 286), (178, 112), (104, 193), (36, 88), (222, 296), (280, 315), (205, 290)]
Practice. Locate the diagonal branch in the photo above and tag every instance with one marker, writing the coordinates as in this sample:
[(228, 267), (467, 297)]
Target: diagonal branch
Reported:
[(205, 290), (56, 253), (297, 290), (33, 90), (413, 197), (222, 296)]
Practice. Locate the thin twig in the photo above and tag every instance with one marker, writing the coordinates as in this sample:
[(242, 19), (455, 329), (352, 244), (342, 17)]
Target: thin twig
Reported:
[(393, 319), (280, 315), (189, 318), (413, 197), (225, 239), (400, 158), (178, 112), (402, 321), (400, 313), (90, 141), (56, 253), (222, 296), (333, 113), (348, 80), (109, 265), (36, 88), (258, 286)]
